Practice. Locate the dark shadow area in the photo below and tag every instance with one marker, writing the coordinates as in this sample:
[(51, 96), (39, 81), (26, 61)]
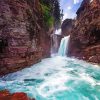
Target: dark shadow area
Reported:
[(3, 45), (95, 36)]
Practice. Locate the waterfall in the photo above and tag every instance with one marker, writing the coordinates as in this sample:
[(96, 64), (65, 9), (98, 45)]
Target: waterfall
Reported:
[(63, 49), (55, 41)]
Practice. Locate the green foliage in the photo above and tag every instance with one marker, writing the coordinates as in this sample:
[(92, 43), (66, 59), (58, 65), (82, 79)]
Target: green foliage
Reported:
[(51, 12), (48, 18), (50, 21), (56, 13)]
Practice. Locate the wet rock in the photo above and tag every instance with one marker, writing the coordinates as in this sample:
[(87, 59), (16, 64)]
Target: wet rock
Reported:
[(19, 96), (93, 59), (6, 95), (55, 42)]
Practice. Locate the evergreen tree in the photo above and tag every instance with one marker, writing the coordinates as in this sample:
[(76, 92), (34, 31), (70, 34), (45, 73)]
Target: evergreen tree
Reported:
[(54, 6), (56, 13)]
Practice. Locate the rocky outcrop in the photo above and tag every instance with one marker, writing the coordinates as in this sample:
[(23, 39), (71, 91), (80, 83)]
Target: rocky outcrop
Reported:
[(6, 95), (85, 36), (67, 26), (23, 37)]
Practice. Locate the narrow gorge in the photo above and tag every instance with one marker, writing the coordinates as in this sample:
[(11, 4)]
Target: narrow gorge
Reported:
[(49, 50)]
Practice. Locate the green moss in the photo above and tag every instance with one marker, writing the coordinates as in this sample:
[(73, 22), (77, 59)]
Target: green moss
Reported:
[(50, 21)]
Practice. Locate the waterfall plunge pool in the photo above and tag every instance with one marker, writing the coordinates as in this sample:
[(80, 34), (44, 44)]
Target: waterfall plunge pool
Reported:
[(57, 78)]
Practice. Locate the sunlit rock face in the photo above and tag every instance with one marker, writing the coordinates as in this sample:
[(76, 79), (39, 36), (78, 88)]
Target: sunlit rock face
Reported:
[(85, 37), (23, 37)]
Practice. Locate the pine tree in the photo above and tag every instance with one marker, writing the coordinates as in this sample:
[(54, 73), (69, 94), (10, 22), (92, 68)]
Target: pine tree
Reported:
[(54, 5), (56, 13)]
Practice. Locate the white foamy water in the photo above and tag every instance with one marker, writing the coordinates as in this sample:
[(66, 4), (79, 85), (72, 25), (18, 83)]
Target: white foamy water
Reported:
[(63, 49), (57, 78)]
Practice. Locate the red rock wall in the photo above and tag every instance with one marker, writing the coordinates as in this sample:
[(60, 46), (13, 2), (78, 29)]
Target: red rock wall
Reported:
[(85, 36), (22, 35)]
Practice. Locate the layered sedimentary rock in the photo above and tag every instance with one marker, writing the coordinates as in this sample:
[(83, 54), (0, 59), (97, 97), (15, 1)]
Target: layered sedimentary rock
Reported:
[(85, 36), (23, 37)]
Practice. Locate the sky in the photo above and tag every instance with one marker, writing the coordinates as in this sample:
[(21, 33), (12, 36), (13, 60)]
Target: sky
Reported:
[(69, 8)]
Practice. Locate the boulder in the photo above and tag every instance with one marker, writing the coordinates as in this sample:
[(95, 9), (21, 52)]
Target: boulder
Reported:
[(6, 95)]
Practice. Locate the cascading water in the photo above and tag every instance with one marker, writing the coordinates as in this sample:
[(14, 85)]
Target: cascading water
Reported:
[(57, 78), (64, 46), (55, 42)]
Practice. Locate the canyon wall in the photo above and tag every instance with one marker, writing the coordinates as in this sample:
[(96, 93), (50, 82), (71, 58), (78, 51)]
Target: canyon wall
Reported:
[(24, 40), (85, 36), (67, 26)]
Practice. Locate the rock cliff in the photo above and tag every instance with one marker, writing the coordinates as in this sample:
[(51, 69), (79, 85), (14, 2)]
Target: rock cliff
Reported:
[(85, 36), (23, 36), (67, 26)]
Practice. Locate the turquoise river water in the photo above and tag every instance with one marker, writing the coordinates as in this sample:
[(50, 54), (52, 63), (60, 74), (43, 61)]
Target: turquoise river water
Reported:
[(57, 78)]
